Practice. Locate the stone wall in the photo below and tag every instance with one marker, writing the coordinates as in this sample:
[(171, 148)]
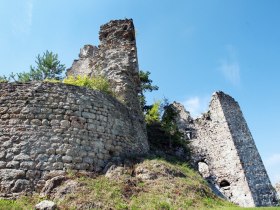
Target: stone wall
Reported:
[(225, 153), (277, 188), (47, 127), (116, 59)]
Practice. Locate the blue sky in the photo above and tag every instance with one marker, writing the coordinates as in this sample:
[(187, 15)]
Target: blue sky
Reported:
[(191, 48)]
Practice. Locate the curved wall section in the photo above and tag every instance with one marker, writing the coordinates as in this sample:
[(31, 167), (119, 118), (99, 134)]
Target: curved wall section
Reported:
[(52, 127)]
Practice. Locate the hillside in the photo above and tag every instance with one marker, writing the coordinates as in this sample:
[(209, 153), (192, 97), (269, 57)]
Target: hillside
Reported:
[(142, 183), (149, 182)]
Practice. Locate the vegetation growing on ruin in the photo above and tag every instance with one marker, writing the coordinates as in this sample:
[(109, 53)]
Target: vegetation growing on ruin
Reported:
[(162, 129), (47, 66), (173, 185), (146, 85), (3, 79), (153, 114), (160, 117), (96, 83), (168, 184)]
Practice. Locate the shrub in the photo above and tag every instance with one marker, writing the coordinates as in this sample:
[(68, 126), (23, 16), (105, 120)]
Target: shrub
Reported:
[(146, 85), (95, 83), (3, 79), (153, 115), (48, 67)]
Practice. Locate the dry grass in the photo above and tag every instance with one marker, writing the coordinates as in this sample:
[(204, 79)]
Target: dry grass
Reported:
[(173, 185)]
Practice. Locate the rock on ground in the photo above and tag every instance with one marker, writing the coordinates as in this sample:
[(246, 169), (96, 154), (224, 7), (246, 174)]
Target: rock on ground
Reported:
[(46, 205)]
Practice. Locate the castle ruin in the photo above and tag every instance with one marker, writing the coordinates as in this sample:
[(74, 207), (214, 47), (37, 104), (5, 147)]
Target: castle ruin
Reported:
[(49, 128), (224, 152)]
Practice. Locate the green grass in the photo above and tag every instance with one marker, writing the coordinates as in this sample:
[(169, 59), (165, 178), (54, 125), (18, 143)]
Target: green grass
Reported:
[(23, 203), (256, 208), (175, 186), (187, 191)]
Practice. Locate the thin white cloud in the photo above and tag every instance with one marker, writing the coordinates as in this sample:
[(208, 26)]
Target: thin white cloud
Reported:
[(272, 164), (229, 66), (196, 105)]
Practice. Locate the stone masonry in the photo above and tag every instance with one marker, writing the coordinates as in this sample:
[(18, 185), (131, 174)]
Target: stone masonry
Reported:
[(46, 127), (115, 58), (49, 128), (277, 188), (225, 154)]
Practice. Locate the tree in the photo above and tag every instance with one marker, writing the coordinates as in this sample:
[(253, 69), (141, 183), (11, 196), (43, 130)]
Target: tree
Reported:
[(153, 114), (48, 67), (146, 85), (169, 124), (3, 79)]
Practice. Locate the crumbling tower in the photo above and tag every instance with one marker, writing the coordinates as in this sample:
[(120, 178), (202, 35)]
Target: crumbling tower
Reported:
[(116, 59), (225, 153)]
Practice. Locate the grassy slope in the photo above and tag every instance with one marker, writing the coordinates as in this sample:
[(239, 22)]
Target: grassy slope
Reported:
[(163, 192), (173, 186)]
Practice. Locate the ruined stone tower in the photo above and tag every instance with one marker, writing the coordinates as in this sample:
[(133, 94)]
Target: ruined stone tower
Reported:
[(49, 128), (115, 58), (225, 153)]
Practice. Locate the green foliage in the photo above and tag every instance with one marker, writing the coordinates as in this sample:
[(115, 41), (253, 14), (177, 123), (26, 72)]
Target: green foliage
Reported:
[(146, 82), (128, 192), (48, 67), (169, 125), (3, 79), (146, 85), (163, 132), (22, 203), (22, 77), (95, 83), (153, 115), (9, 205)]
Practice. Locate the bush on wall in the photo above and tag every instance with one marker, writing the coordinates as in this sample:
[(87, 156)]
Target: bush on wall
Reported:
[(95, 83)]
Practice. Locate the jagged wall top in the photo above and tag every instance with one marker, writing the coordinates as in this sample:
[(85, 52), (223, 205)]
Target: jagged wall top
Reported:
[(117, 32), (224, 152), (116, 59)]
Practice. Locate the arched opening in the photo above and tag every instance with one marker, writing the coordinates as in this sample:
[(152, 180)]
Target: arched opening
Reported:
[(224, 183)]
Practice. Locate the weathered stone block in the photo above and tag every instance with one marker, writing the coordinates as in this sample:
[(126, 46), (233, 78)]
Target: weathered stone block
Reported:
[(21, 185), (3, 110), (58, 165), (88, 160), (81, 166), (11, 174), (27, 165), (21, 157), (3, 164), (67, 159), (88, 115)]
